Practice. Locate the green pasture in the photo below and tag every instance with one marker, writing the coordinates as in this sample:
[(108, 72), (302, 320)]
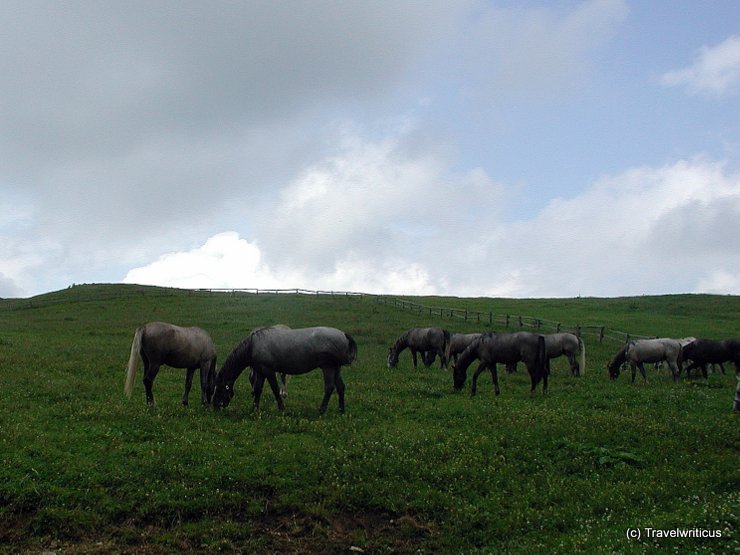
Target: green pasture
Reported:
[(412, 467)]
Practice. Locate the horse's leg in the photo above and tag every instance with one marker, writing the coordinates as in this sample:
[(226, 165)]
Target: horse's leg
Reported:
[(442, 358), (535, 379), (339, 384), (150, 372), (494, 379), (675, 370), (474, 384), (205, 382), (259, 383), (574, 371), (413, 355), (633, 367), (642, 371), (189, 372), (284, 386), (329, 372), (272, 380)]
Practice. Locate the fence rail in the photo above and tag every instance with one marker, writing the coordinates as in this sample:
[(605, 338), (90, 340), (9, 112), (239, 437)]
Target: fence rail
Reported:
[(508, 321), (513, 321)]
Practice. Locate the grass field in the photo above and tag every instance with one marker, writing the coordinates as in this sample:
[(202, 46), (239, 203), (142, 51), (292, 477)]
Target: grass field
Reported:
[(412, 467)]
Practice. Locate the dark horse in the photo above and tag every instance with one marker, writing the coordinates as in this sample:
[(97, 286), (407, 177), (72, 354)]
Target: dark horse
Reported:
[(559, 344), (708, 351), (158, 343), (428, 341), (647, 350), (277, 349), (505, 348)]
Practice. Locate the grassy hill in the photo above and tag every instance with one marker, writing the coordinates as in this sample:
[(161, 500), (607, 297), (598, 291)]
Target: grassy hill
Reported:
[(411, 467)]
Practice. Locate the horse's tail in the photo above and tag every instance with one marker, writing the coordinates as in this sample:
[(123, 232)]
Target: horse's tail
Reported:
[(582, 347), (133, 362), (352, 355), (679, 358), (211, 378), (541, 358), (446, 347)]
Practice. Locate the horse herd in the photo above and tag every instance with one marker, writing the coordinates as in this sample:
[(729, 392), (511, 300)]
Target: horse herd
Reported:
[(277, 351)]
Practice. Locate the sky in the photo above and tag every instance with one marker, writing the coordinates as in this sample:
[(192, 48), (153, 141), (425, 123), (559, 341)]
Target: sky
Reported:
[(461, 147)]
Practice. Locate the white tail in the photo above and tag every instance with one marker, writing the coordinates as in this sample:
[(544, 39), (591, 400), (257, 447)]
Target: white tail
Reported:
[(133, 362), (582, 345)]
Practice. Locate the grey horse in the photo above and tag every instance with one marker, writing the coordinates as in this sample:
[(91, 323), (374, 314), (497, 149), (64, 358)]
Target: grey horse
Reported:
[(559, 344), (636, 353), (505, 348), (158, 343), (271, 350), (458, 343), (429, 342)]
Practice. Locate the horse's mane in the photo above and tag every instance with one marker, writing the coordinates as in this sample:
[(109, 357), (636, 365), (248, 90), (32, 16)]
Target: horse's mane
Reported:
[(402, 342), (236, 361), (621, 355)]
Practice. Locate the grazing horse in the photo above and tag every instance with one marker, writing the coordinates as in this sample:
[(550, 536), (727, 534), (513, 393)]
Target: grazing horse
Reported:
[(568, 344), (647, 350), (707, 351), (424, 340), (158, 343), (281, 375), (505, 348), (271, 350), (559, 344), (458, 343)]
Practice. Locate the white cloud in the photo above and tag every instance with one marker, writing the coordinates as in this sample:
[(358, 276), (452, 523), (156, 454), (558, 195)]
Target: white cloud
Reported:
[(223, 261), (227, 261), (716, 70), (382, 216), (647, 230)]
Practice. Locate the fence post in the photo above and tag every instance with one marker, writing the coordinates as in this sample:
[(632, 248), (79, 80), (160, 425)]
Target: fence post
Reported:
[(601, 335)]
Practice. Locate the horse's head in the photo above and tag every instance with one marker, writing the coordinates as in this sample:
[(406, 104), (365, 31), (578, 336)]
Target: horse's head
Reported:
[(222, 393), (392, 358), (614, 369), (458, 377)]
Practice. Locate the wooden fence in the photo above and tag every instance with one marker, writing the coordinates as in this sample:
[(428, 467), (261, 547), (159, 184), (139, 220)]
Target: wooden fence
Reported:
[(512, 321), (491, 319)]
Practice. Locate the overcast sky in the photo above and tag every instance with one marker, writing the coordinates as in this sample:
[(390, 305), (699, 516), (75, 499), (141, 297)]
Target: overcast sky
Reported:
[(502, 148)]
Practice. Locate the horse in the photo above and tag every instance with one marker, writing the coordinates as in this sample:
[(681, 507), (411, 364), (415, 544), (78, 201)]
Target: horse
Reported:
[(299, 351), (559, 344), (506, 348), (708, 351), (429, 341), (158, 343), (647, 350), (283, 377), (458, 343)]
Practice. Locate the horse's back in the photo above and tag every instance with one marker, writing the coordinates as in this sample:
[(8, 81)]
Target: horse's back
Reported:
[(177, 346), (302, 350), (653, 350)]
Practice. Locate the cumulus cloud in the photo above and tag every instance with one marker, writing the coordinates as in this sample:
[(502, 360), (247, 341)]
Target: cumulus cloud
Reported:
[(378, 216), (228, 261), (647, 230), (716, 70)]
